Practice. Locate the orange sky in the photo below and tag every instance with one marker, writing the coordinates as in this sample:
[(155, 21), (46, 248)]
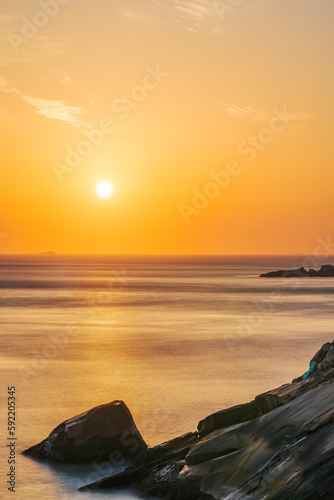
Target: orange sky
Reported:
[(217, 126)]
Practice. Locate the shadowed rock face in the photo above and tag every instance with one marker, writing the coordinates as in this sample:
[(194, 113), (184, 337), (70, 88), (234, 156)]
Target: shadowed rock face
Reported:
[(278, 447), (287, 453), (155, 471), (94, 435), (326, 271)]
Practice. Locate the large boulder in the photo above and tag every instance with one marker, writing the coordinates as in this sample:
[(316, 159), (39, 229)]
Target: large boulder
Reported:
[(106, 432)]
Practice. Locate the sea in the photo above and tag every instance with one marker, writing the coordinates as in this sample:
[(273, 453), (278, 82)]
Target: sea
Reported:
[(176, 338)]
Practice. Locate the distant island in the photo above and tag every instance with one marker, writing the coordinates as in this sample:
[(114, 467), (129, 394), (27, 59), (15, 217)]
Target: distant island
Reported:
[(47, 253), (326, 271)]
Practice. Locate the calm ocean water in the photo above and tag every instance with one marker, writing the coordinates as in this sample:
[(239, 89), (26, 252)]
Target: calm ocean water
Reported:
[(175, 338)]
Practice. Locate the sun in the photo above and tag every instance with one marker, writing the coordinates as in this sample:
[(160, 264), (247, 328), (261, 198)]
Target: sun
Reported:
[(104, 189)]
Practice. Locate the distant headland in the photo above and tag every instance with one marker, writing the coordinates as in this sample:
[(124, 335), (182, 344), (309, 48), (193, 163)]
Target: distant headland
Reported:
[(326, 271), (48, 253)]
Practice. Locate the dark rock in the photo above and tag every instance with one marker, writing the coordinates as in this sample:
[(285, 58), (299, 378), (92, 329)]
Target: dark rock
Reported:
[(228, 417), (289, 451), (219, 443), (176, 448), (302, 270), (327, 267), (92, 436), (154, 470), (324, 360), (263, 403), (321, 354), (161, 481), (326, 271), (276, 274)]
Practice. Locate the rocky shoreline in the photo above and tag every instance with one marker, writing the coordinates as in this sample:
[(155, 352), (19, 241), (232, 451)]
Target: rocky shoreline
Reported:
[(279, 446), (326, 271)]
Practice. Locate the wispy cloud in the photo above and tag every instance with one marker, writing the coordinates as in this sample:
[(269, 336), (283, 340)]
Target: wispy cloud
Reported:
[(5, 87), (250, 111), (192, 15), (56, 110), (66, 80), (192, 10), (258, 114)]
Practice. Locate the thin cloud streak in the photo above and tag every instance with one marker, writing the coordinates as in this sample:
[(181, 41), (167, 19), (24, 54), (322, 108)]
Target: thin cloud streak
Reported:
[(258, 114), (56, 110), (186, 12)]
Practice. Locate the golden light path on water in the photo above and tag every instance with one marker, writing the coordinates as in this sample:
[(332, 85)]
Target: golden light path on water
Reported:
[(164, 338)]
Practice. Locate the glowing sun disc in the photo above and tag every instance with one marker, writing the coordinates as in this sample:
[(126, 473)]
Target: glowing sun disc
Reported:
[(104, 189)]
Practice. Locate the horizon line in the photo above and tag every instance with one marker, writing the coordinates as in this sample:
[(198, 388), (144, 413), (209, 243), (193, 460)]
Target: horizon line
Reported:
[(45, 254)]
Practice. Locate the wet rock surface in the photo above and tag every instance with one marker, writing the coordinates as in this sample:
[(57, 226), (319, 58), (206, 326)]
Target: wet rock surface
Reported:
[(156, 469), (95, 435), (287, 453)]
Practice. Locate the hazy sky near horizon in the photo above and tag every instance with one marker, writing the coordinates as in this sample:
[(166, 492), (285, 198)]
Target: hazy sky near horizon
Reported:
[(216, 119)]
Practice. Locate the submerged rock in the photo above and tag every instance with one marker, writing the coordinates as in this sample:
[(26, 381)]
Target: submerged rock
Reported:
[(325, 271), (278, 447), (98, 434)]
